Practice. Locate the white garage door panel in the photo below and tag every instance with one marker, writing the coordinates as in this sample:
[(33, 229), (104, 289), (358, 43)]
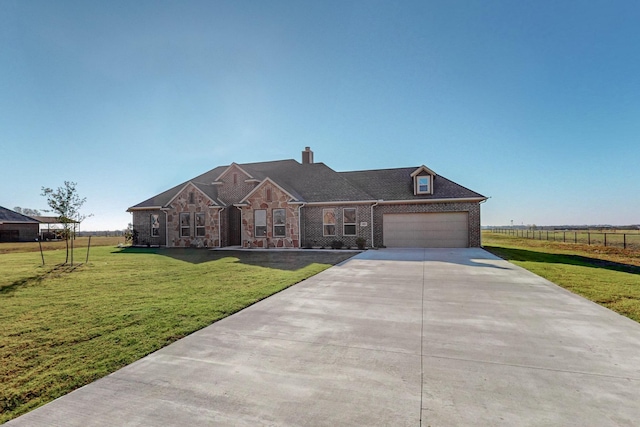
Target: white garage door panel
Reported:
[(426, 230)]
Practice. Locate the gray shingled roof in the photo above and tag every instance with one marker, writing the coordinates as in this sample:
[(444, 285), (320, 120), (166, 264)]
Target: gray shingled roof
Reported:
[(203, 182), (397, 184), (7, 215), (316, 182)]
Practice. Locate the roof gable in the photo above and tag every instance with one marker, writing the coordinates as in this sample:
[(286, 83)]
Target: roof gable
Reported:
[(195, 187), (233, 167), (422, 170), (264, 183)]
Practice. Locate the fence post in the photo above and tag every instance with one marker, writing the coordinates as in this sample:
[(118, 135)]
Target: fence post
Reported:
[(588, 238), (564, 237), (575, 237), (624, 240), (605, 239)]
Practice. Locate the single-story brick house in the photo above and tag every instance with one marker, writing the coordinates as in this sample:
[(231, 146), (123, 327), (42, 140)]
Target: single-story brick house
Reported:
[(15, 227), (287, 204)]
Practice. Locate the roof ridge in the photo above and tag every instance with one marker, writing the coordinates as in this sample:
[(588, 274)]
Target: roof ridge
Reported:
[(267, 162), (381, 169)]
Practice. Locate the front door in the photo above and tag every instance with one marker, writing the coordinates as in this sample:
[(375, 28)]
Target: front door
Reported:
[(235, 226)]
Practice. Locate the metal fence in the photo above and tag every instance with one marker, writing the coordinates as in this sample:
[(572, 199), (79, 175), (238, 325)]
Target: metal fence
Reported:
[(626, 239)]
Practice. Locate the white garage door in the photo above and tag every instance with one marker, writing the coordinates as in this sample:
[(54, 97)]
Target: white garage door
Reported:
[(426, 230)]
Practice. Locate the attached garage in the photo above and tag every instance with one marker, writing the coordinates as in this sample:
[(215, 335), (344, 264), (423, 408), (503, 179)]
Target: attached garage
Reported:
[(426, 230)]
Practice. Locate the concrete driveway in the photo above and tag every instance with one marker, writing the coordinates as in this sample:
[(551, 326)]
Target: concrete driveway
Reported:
[(435, 337)]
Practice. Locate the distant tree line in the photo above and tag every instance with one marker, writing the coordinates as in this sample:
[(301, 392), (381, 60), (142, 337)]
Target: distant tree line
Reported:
[(27, 211), (104, 233)]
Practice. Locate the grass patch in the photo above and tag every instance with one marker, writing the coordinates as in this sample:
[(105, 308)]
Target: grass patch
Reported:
[(607, 276), (80, 245), (65, 327)]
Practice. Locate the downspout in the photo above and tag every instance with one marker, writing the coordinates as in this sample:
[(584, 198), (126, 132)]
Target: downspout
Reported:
[(373, 206), (220, 227), (166, 229), (242, 228), (300, 206)]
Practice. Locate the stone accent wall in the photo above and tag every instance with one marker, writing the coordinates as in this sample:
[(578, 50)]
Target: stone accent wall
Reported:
[(278, 200), (230, 192), (201, 205), (142, 224), (472, 208), (312, 226)]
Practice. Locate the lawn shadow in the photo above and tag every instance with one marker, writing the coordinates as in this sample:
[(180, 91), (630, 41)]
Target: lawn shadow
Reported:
[(281, 260), (38, 278), (511, 254)]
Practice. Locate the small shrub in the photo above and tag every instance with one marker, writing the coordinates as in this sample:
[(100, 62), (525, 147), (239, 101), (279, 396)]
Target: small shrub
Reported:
[(361, 242), (337, 244)]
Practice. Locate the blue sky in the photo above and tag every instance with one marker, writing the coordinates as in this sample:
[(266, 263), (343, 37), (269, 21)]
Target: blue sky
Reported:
[(533, 103)]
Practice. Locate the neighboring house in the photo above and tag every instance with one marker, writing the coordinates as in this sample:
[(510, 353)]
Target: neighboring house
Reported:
[(51, 226), (286, 204), (15, 227)]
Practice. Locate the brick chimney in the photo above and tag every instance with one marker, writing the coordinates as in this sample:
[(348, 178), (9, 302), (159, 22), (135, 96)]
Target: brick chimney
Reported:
[(307, 156)]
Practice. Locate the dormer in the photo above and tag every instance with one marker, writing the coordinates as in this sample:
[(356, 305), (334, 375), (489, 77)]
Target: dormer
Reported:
[(423, 181)]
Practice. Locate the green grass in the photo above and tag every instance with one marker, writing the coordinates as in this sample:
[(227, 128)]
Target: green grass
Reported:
[(607, 276), (65, 327), (80, 245), (614, 238)]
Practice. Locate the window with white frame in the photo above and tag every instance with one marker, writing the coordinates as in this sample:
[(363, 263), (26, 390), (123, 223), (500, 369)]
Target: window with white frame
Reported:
[(349, 221), (260, 222), (200, 230), (328, 222), (279, 223), (185, 224), (423, 184), (155, 225)]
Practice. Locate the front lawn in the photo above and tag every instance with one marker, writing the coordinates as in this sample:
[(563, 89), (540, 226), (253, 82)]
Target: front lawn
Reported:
[(64, 327), (607, 276)]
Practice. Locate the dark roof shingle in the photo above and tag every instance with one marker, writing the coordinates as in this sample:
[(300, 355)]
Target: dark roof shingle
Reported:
[(397, 184), (7, 215), (316, 182)]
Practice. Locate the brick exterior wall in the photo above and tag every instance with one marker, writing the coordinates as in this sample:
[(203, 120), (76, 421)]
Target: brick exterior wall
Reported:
[(278, 200), (231, 191), (142, 224), (171, 216), (312, 226), (472, 208)]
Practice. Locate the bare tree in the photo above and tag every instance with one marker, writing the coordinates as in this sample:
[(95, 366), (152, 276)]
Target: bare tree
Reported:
[(66, 204)]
